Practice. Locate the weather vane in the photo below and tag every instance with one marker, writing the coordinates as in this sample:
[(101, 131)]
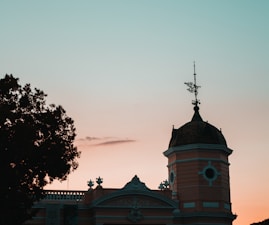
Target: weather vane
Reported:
[(193, 88)]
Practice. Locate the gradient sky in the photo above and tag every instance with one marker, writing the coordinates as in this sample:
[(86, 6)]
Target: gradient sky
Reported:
[(119, 67)]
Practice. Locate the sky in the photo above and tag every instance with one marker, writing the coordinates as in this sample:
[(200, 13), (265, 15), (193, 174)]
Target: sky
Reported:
[(118, 68)]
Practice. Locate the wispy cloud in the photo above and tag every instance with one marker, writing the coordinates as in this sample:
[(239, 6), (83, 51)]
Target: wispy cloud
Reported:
[(103, 141), (91, 138), (115, 142)]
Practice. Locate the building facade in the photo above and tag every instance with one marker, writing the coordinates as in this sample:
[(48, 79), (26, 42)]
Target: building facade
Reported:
[(197, 191), (199, 173)]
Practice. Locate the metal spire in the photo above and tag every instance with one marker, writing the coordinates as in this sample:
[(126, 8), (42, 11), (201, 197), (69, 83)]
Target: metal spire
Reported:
[(193, 88)]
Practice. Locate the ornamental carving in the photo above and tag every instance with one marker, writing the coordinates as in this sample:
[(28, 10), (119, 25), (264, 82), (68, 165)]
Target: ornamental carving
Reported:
[(127, 202), (135, 214)]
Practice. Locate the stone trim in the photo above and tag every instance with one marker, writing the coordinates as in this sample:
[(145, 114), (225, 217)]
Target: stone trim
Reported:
[(121, 193), (198, 159), (189, 205), (213, 147), (211, 204), (228, 215)]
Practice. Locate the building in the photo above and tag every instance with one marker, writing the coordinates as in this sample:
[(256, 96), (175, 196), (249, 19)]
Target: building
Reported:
[(264, 222), (197, 193)]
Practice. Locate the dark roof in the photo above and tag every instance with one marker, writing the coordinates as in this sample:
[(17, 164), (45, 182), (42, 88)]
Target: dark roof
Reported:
[(196, 131)]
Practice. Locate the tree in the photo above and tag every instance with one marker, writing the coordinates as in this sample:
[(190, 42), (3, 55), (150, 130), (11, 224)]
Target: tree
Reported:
[(36, 147)]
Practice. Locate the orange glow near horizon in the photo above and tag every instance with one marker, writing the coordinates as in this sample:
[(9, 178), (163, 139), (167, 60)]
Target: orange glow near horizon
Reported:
[(117, 160), (118, 69)]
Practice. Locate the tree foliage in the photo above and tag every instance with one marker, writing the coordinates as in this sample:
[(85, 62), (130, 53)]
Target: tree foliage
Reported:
[(36, 147)]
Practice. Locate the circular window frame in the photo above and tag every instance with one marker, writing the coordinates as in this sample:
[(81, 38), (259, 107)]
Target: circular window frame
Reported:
[(210, 173), (172, 177)]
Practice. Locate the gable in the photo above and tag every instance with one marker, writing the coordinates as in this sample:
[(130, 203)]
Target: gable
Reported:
[(135, 193)]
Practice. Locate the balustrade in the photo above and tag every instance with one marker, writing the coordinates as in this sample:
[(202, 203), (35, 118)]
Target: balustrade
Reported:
[(64, 195)]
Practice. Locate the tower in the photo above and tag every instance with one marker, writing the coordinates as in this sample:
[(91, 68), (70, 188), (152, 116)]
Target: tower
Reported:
[(198, 170)]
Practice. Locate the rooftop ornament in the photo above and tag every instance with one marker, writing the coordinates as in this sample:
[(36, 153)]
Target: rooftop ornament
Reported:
[(99, 181), (193, 88), (164, 185), (90, 184)]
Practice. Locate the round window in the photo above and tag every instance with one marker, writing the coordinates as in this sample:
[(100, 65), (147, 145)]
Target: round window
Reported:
[(210, 173), (172, 177)]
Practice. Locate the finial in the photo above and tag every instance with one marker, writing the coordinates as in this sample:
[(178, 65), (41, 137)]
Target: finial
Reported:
[(193, 88), (90, 184), (99, 181), (164, 185)]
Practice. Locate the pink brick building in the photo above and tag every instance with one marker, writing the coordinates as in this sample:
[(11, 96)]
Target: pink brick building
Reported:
[(198, 192)]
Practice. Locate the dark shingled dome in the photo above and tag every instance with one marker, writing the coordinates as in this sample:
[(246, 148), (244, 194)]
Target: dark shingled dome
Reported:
[(196, 131)]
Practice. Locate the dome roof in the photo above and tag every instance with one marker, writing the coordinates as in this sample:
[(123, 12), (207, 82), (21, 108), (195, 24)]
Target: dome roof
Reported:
[(196, 131)]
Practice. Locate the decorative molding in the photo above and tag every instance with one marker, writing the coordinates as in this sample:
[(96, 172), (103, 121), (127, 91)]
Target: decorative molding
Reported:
[(189, 205), (135, 214), (228, 215), (134, 188), (211, 204), (198, 159), (135, 184), (128, 202), (213, 147)]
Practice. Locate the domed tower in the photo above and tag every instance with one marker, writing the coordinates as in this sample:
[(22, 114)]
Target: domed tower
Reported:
[(198, 169)]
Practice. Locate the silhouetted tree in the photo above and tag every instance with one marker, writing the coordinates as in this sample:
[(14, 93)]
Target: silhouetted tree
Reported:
[(36, 147)]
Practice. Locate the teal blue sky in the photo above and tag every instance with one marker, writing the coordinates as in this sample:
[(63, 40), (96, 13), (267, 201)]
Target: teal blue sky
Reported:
[(119, 67)]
